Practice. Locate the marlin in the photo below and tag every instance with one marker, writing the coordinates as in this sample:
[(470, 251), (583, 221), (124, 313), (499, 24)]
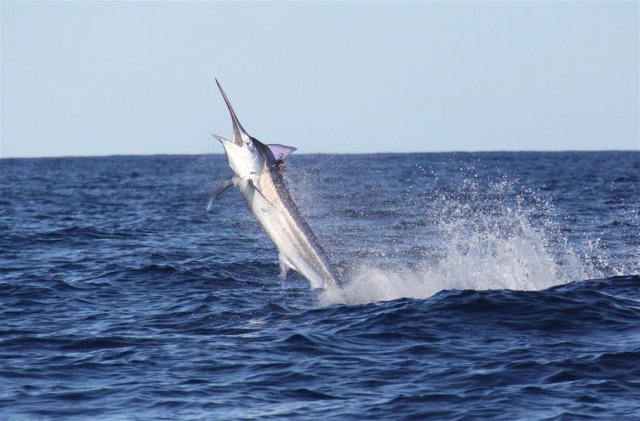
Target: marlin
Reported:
[(258, 174)]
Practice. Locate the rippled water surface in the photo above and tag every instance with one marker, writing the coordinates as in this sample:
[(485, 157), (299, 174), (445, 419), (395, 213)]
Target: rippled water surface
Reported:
[(488, 286)]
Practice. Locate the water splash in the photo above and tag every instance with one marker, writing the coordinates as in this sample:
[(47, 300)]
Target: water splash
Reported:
[(508, 241)]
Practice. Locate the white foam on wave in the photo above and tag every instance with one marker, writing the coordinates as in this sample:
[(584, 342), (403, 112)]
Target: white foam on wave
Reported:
[(479, 248)]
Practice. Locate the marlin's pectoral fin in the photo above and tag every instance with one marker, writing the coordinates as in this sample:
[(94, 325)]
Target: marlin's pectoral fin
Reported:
[(220, 187), (251, 184)]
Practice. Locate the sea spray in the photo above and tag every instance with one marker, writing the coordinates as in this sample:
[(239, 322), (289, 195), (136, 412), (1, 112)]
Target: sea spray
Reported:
[(483, 236)]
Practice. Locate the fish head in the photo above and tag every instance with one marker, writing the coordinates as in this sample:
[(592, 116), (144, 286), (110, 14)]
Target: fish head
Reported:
[(244, 158), (244, 153)]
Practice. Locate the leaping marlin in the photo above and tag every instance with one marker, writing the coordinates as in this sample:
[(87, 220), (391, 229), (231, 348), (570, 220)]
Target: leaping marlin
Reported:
[(257, 172)]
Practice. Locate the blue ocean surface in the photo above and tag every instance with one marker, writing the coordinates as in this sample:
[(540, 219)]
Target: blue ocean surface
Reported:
[(478, 286)]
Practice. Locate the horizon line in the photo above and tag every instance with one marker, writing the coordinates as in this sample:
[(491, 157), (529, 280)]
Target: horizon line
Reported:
[(336, 153)]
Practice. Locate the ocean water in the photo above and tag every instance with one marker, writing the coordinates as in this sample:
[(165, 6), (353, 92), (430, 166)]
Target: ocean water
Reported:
[(479, 286)]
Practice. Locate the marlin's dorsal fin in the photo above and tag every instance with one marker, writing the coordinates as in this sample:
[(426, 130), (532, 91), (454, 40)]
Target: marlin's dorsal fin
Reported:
[(281, 152)]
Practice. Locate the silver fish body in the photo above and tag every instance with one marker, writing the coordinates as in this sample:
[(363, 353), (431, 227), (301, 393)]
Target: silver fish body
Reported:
[(257, 169)]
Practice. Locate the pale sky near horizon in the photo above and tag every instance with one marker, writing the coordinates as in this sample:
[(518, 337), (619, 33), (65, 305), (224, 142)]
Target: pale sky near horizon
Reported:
[(102, 78)]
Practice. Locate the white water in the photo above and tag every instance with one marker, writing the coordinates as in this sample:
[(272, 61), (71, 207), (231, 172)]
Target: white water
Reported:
[(497, 248)]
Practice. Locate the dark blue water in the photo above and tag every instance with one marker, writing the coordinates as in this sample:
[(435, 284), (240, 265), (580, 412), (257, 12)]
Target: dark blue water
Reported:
[(489, 286)]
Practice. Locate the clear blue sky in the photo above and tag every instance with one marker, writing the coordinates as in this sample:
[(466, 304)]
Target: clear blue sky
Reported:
[(99, 78)]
